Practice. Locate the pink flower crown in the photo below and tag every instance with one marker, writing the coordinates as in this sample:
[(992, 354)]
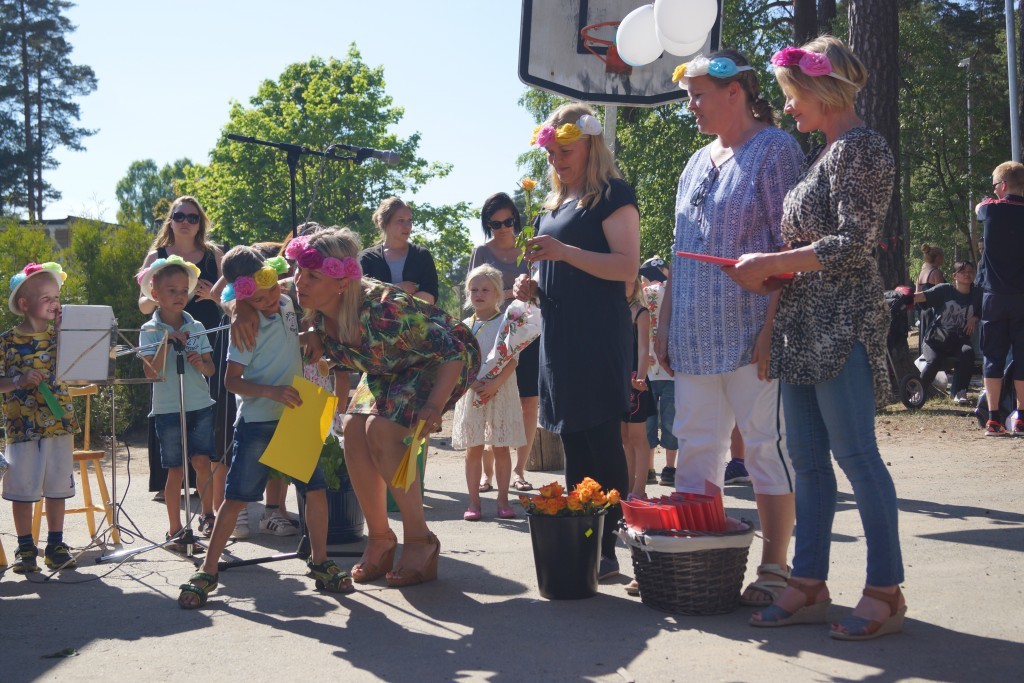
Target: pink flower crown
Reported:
[(310, 258), (813, 64)]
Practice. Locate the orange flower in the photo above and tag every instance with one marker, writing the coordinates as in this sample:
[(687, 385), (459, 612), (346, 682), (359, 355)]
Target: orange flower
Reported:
[(573, 502), (552, 490), (599, 498), (556, 505), (613, 497), (525, 501), (528, 184)]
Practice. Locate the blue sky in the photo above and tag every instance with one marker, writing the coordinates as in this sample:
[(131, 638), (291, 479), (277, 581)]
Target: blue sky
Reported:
[(168, 71)]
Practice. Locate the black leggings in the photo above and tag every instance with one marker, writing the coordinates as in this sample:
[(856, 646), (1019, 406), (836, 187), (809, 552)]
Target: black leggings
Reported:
[(936, 352), (597, 453)]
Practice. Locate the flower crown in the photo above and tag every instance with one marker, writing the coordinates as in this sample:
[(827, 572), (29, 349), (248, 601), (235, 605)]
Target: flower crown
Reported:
[(160, 263), (310, 258), (719, 67), (52, 268), (245, 286), (566, 133), (813, 64)]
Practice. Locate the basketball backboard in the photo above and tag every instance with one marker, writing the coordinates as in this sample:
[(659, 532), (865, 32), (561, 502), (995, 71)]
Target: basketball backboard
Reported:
[(553, 57)]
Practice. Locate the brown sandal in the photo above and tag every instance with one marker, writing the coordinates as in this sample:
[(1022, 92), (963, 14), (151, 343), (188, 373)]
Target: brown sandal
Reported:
[(810, 613), (859, 628), (365, 572), (414, 577)]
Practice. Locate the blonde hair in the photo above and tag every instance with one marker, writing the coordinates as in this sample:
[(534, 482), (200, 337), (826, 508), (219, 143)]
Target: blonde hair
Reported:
[(1011, 173), (931, 252), (600, 165), (341, 243), (165, 237), (488, 272), (835, 95), (386, 211)]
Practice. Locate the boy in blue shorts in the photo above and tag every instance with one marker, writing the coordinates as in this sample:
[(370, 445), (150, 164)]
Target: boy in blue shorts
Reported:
[(38, 415), (170, 282), (261, 379)]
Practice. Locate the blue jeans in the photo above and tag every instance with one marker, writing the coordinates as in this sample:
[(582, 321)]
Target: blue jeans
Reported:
[(247, 476), (199, 424), (664, 393), (838, 415)]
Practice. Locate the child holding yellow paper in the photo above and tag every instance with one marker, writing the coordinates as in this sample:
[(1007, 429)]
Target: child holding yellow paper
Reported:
[(490, 414), (38, 416), (262, 380)]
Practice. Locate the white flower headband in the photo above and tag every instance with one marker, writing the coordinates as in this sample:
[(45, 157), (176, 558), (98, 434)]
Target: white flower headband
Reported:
[(719, 67)]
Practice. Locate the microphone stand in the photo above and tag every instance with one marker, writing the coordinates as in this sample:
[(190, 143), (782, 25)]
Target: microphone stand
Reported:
[(185, 535), (294, 152)]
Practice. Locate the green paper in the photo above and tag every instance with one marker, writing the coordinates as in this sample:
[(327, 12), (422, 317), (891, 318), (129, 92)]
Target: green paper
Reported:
[(51, 402)]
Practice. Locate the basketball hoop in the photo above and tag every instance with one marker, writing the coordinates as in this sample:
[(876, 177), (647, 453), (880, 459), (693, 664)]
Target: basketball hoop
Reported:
[(613, 64)]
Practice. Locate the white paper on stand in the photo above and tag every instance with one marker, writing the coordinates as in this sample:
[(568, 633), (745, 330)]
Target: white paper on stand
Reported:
[(83, 342)]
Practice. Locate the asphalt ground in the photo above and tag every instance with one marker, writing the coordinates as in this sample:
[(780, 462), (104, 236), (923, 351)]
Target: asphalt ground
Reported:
[(962, 526)]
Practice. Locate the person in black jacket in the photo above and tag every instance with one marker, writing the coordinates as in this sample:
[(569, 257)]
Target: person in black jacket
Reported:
[(395, 259)]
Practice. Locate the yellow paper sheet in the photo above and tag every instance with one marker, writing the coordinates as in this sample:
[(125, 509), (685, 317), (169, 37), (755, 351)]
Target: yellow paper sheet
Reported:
[(405, 475), (295, 447)]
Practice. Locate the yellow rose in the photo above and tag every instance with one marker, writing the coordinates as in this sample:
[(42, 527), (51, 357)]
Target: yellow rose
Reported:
[(679, 73), (567, 134), (265, 278), (528, 184), (536, 132)]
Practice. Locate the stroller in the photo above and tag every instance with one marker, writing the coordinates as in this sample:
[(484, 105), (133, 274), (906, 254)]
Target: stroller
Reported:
[(909, 388)]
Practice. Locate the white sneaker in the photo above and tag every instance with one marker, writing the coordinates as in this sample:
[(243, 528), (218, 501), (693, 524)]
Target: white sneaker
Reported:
[(242, 525), (961, 398), (277, 525)]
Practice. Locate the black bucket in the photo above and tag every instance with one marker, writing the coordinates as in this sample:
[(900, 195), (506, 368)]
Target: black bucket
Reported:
[(345, 518), (566, 553)]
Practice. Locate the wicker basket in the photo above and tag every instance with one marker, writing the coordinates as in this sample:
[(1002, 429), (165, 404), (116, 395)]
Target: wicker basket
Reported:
[(694, 573)]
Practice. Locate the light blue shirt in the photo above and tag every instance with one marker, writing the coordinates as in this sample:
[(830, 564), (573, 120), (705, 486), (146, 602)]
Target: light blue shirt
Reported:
[(165, 393), (714, 322), (274, 361)]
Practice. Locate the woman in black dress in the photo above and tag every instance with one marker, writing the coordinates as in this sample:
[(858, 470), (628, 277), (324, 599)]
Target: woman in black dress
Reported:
[(184, 233), (588, 246)]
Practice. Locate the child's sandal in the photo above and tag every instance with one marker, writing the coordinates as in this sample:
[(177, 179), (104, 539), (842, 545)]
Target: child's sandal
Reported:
[(202, 592), (330, 577)]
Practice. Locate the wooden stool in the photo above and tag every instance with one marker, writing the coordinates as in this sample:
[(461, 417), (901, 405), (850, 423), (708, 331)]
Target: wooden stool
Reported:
[(83, 458)]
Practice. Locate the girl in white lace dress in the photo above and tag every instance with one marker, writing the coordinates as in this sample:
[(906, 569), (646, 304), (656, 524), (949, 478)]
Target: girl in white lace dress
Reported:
[(489, 414)]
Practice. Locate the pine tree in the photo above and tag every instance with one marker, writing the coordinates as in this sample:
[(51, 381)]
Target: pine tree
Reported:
[(37, 95)]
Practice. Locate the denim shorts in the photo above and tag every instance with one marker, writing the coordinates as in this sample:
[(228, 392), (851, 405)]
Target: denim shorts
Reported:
[(247, 476), (199, 424)]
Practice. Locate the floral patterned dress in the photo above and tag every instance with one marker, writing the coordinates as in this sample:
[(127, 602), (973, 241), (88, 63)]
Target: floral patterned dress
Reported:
[(404, 342)]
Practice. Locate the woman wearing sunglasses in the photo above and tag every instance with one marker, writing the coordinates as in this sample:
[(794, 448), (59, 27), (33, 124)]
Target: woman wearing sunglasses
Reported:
[(501, 223), (714, 336), (184, 233)]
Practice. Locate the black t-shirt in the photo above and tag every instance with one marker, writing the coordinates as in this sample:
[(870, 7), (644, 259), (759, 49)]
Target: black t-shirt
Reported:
[(586, 332), (952, 311), (1001, 270)]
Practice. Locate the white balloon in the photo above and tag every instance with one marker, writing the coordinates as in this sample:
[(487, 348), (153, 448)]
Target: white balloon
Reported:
[(636, 39), (682, 49), (684, 21)]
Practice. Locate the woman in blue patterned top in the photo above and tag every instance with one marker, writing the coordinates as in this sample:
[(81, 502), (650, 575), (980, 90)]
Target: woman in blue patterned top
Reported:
[(714, 336)]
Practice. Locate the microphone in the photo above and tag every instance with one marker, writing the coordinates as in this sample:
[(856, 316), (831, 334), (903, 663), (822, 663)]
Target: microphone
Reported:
[(362, 153)]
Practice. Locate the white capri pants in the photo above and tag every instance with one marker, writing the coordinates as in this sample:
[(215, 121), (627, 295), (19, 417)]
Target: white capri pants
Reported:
[(707, 407)]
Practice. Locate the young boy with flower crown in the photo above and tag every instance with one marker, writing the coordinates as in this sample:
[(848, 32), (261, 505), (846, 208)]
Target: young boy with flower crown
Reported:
[(38, 415), (170, 282), (261, 378)]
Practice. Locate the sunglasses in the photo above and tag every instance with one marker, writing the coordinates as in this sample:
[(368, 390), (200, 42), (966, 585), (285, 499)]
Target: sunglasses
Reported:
[(997, 184), (700, 195), (181, 217), (509, 222)]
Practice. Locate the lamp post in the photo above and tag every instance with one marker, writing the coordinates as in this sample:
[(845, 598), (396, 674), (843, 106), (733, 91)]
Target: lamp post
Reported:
[(966, 64)]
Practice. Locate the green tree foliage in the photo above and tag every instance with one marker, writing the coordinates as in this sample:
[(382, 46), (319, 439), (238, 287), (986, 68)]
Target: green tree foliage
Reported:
[(40, 84), (145, 192), (450, 246), (246, 187)]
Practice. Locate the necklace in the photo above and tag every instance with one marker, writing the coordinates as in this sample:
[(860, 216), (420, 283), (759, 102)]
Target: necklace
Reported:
[(476, 325)]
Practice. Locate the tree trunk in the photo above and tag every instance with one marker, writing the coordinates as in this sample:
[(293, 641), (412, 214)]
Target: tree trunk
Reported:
[(874, 37), (827, 14), (26, 96), (39, 140), (805, 21)]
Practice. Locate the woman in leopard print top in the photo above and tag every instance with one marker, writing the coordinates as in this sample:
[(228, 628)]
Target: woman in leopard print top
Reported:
[(827, 346)]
